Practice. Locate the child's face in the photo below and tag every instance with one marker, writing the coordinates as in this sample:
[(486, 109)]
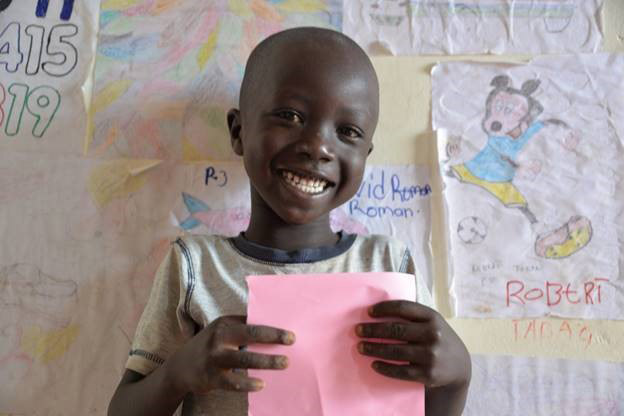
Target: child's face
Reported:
[(306, 135)]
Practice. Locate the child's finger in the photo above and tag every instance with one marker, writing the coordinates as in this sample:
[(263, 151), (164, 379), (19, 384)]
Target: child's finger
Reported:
[(399, 371), (405, 309), (401, 331), (395, 352), (241, 334), (246, 359), (240, 382)]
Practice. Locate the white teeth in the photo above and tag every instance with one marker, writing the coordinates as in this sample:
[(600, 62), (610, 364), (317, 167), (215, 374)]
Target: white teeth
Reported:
[(307, 185)]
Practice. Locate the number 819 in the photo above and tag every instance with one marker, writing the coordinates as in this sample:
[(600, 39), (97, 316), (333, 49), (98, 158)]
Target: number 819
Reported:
[(41, 102)]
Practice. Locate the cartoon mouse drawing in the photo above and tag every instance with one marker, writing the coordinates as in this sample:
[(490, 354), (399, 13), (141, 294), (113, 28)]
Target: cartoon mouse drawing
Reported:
[(510, 121)]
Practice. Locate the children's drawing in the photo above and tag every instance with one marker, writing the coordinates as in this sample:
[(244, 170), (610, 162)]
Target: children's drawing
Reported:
[(476, 26), (35, 317), (472, 230), (177, 64), (33, 292), (512, 119), (532, 184), (229, 221), (46, 55)]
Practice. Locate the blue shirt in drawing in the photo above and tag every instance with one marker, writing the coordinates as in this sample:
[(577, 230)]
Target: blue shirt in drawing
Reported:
[(495, 162)]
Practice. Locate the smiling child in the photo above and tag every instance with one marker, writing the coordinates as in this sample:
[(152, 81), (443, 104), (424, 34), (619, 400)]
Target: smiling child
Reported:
[(309, 106)]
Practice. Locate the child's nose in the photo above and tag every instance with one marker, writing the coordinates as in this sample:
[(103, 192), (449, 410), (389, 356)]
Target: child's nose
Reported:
[(315, 143)]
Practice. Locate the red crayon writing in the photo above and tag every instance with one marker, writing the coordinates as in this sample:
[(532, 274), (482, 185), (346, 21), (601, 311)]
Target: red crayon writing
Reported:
[(546, 331), (554, 293)]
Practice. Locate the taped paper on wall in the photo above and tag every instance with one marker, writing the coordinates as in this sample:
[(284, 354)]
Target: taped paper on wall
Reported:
[(47, 51), (529, 159), (417, 27), (168, 71)]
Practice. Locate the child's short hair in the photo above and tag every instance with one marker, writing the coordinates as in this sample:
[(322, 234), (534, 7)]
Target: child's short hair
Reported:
[(267, 51)]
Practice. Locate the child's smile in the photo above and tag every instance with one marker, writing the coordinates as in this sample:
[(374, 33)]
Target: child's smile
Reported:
[(309, 184)]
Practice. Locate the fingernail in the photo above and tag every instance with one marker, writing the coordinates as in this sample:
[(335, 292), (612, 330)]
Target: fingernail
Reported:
[(257, 385), (288, 338), (371, 310), (360, 347), (282, 362), (359, 329)]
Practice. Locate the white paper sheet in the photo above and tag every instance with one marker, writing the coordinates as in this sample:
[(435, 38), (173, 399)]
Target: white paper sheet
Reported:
[(168, 71), (47, 49), (474, 26), (393, 200), (519, 386), (81, 243), (533, 222)]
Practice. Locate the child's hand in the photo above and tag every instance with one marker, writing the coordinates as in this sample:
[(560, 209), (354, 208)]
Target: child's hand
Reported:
[(207, 361), (434, 354)]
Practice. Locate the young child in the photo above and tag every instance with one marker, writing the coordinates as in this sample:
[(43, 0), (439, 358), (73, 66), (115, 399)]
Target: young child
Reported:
[(308, 110)]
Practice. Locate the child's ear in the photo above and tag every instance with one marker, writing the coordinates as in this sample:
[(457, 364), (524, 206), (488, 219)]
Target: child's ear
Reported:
[(235, 127)]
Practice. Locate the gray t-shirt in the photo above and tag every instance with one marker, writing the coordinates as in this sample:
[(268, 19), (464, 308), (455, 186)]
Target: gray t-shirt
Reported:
[(203, 277)]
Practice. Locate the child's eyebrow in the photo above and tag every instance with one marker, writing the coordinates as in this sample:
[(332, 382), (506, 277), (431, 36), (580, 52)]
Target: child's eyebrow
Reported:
[(288, 95), (350, 110)]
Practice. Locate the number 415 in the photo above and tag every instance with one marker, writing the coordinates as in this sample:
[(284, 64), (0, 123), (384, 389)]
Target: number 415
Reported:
[(42, 103)]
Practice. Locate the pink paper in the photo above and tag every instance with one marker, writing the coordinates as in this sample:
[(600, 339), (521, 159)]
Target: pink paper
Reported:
[(327, 376)]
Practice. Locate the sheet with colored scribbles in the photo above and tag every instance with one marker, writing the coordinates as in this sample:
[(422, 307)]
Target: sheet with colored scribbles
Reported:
[(530, 156), (416, 27), (46, 58), (168, 71)]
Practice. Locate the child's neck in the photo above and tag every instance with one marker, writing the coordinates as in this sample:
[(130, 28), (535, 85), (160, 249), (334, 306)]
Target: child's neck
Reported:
[(268, 229)]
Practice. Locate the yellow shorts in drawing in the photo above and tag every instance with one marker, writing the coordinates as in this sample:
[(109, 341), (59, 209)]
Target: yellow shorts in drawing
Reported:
[(506, 192)]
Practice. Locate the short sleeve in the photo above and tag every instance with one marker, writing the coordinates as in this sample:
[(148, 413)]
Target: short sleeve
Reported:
[(164, 325), (422, 291)]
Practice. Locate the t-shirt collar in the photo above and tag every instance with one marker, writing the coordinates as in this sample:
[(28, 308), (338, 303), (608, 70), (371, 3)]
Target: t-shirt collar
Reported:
[(304, 255)]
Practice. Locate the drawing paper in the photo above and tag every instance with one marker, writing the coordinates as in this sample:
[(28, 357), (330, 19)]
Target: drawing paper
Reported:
[(168, 71), (47, 51), (474, 26), (532, 185), (326, 373)]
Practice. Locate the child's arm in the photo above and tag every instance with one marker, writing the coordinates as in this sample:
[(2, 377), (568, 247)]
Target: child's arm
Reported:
[(434, 353), (202, 364)]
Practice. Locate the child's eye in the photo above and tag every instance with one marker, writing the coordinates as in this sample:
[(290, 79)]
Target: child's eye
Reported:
[(349, 132), (290, 116)]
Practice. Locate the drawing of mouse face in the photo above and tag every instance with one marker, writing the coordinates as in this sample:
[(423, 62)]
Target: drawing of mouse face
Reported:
[(505, 113), (510, 111)]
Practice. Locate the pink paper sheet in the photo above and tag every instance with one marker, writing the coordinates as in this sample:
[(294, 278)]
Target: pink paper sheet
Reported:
[(327, 376)]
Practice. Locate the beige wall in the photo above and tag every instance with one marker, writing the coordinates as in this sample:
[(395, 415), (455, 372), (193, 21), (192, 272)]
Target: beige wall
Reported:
[(405, 127)]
